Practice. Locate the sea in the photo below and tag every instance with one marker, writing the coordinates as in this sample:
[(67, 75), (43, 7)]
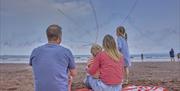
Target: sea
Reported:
[(84, 58)]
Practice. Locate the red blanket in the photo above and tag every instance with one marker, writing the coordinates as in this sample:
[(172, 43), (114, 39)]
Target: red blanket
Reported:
[(135, 88)]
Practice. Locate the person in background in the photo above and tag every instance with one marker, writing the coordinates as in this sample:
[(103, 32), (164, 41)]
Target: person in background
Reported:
[(110, 65), (171, 54), (123, 48), (178, 56), (51, 63), (142, 57)]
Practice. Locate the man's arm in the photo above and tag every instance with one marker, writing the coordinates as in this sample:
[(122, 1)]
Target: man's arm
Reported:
[(72, 66), (73, 72), (32, 57)]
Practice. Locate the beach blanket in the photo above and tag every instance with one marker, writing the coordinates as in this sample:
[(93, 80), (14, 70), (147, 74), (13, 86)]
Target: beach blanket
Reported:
[(144, 88), (135, 88)]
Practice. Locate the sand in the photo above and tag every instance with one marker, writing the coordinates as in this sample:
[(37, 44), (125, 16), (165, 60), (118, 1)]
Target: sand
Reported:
[(18, 77)]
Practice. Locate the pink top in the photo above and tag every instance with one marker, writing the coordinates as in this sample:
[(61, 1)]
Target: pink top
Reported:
[(111, 72)]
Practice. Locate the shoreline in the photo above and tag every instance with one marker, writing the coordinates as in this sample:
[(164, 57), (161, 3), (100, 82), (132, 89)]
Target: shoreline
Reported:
[(85, 61), (25, 63)]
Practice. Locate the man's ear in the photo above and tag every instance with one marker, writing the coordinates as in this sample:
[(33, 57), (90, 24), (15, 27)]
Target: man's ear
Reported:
[(59, 40)]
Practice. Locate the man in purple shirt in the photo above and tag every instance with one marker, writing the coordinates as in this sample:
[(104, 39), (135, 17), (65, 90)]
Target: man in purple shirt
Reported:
[(51, 63)]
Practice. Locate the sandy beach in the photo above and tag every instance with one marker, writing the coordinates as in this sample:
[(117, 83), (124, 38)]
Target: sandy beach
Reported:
[(18, 77)]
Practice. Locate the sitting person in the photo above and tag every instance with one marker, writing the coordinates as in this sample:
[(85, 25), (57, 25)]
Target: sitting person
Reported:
[(95, 49), (51, 63), (109, 63)]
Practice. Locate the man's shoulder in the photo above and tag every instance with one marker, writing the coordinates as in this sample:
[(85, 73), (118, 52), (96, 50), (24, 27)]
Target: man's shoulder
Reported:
[(64, 49), (58, 48), (39, 47)]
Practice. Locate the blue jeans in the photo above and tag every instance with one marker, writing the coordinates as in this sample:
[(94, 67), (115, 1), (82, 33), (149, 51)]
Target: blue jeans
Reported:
[(98, 85)]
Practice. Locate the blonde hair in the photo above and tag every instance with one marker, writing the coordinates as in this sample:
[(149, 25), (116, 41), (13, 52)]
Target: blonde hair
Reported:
[(109, 46), (95, 49), (120, 31)]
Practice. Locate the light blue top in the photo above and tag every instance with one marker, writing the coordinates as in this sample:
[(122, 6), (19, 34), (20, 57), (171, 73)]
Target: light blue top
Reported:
[(50, 64), (123, 48)]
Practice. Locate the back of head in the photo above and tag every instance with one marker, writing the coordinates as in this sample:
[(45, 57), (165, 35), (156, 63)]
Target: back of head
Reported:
[(109, 46), (54, 32), (95, 49), (120, 31)]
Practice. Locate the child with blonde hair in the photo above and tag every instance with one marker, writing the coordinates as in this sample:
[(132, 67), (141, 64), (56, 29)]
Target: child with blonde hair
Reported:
[(95, 49)]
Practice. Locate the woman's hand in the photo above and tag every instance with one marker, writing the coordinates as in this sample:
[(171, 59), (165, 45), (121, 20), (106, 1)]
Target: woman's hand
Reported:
[(89, 63)]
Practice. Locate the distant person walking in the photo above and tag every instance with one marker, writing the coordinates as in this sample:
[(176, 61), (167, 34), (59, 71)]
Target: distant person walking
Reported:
[(123, 48), (171, 53), (142, 57), (52, 63), (178, 56)]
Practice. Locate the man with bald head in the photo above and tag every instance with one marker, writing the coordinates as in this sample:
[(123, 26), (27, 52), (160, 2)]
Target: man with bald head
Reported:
[(52, 62)]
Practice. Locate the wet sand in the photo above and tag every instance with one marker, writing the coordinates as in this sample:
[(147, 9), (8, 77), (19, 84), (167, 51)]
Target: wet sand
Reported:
[(18, 77)]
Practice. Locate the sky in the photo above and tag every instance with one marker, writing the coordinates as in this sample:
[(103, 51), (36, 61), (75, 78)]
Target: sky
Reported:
[(153, 26)]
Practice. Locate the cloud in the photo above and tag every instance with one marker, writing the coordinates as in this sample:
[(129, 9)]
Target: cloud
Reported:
[(152, 39), (73, 7), (21, 6)]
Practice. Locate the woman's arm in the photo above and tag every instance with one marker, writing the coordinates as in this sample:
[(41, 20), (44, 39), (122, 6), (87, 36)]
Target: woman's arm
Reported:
[(95, 66)]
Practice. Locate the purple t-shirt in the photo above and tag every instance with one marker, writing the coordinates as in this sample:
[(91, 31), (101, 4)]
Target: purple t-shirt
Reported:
[(51, 63)]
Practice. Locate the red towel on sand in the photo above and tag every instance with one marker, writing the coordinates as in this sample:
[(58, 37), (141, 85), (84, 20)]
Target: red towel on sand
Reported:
[(144, 88), (135, 88)]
